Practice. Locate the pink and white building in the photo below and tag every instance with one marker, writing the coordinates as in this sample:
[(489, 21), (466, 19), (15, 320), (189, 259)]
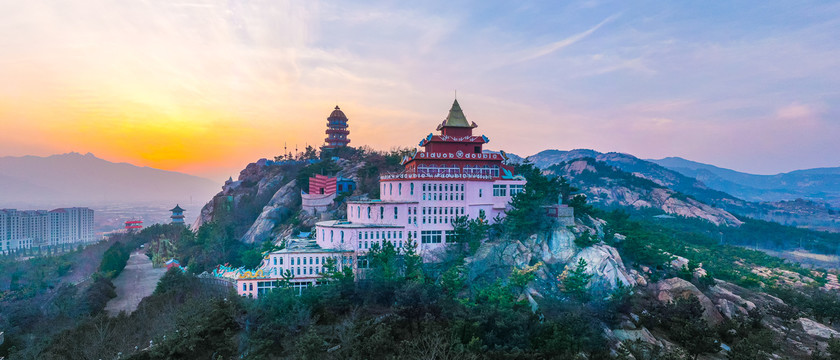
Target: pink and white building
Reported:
[(452, 176)]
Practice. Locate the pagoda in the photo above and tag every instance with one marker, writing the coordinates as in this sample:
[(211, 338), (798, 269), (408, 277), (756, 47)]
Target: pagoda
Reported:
[(337, 130), (450, 177), (177, 215)]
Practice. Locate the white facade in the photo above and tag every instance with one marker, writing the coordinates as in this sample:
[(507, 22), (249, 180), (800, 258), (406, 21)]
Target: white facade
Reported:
[(420, 209), (36, 228), (302, 263)]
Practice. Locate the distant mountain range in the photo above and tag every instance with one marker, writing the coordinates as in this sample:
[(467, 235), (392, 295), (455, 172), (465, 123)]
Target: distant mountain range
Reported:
[(74, 179), (821, 184), (812, 212)]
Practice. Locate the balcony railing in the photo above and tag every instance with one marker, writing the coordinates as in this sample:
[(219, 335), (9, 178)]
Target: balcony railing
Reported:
[(412, 176)]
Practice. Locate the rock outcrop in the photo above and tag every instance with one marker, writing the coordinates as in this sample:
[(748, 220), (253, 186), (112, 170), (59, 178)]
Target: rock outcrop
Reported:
[(557, 252), (605, 263), (818, 330), (668, 290), (278, 209)]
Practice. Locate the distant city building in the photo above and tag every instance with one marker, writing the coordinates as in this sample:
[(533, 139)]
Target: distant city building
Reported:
[(26, 229), (337, 130), (323, 190), (177, 215)]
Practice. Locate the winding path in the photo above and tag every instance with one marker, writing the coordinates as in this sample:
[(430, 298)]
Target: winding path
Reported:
[(134, 283)]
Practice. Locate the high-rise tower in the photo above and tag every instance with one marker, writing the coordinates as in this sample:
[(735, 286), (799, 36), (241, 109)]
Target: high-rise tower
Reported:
[(337, 130)]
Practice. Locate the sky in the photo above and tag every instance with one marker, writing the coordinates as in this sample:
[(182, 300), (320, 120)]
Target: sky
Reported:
[(205, 87)]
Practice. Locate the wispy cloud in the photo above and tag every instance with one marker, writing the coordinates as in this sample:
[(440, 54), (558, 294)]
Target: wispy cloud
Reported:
[(571, 40), (153, 77)]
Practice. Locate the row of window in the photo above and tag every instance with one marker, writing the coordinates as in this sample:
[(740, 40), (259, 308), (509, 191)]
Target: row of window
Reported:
[(311, 260), (436, 236), (502, 190), (367, 245)]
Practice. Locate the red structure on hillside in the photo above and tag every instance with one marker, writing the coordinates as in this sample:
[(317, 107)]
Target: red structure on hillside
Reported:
[(134, 225), (320, 184), (337, 130)]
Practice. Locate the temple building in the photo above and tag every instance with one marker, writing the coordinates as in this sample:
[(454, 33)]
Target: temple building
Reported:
[(451, 176), (337, 130), (177, 215)]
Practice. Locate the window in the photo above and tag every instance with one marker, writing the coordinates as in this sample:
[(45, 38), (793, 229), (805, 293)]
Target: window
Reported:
[(500, 190), (281, 261), (368, 212), (342, 236), (395, 212), (275, 261), (399, 189), (431, 237), (244, 287), (450, 235), (516, 189), (331, 236), (390, 189), (358, 211), (411, 186), (382, 212), (479, 192)]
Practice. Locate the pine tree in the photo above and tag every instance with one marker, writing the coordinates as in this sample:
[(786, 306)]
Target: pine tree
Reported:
[(576, 281), (412, 261)]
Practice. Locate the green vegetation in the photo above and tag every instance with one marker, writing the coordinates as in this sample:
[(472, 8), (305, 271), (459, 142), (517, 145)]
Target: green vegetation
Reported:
[(470, 231), (576, 281), (649, 242), (114, 260), (527, 215)]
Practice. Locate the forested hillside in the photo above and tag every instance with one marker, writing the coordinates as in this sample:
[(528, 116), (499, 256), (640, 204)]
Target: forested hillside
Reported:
[(623, 282)]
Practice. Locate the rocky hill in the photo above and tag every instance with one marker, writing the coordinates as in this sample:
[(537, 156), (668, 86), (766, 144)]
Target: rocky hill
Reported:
[(607, 186), (725, 306), (807, 214)]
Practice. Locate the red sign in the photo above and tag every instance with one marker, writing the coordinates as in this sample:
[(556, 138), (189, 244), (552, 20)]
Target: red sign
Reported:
[(459, 155)]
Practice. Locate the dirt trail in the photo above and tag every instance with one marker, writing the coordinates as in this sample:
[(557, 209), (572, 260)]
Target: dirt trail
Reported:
[(135, 282)]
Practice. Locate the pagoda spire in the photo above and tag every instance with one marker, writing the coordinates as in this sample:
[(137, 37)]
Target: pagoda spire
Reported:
[(456, 117)]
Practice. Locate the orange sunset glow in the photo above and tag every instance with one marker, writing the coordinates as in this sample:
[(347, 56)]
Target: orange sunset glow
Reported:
[(206, 87)]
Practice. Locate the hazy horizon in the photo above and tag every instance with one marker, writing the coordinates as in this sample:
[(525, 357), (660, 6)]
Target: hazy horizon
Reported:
[(234, 175)]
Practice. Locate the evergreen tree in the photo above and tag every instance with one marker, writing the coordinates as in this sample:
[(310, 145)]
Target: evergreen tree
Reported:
[(412, 261), (576, 281), (527, 215), (685, 323)]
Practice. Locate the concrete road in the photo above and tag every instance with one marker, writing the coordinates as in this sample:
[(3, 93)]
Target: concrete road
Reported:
[(135, 282)]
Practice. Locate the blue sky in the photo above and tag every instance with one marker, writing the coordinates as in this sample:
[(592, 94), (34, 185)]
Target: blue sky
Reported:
[(752, 86)]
